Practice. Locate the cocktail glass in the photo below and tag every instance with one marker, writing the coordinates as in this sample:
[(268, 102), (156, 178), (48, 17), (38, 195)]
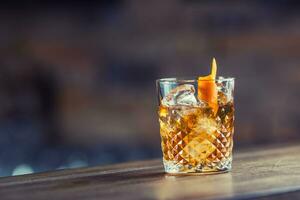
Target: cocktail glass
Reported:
[(196, 135)]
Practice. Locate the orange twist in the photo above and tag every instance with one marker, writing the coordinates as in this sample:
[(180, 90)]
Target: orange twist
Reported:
[(207, 88)]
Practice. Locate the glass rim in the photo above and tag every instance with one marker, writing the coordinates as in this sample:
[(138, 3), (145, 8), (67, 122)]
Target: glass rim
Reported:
[(190, 79)]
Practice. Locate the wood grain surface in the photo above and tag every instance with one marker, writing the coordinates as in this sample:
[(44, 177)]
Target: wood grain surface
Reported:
[(263, 173)]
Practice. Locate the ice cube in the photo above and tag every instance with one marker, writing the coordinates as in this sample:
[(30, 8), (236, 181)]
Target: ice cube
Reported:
[(225, 91), (181, 95), (205, 125), (222, 98)]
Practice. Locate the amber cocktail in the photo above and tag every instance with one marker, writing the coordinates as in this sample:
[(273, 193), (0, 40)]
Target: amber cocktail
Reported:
[(196, 119)]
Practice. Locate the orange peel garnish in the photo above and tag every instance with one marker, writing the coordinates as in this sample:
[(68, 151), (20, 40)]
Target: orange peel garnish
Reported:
[(207, 88)]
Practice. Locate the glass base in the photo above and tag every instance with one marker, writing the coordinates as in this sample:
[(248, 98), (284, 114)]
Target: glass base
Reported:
[(177, 168)]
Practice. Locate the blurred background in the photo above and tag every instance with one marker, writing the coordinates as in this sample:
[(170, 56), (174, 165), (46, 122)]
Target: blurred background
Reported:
[(77, 80)]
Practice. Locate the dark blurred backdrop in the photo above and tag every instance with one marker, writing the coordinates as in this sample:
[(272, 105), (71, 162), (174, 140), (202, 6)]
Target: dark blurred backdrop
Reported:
[(77, 79)]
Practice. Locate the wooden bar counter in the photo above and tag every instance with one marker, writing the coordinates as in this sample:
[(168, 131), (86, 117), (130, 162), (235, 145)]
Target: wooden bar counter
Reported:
[(264, 173)]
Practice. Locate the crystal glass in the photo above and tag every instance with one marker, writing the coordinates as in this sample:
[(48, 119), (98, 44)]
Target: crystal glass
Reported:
[(196, 136)]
